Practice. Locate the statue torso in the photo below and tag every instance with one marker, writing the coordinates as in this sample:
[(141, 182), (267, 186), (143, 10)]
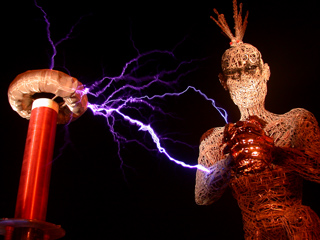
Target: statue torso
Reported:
[(270, 193)]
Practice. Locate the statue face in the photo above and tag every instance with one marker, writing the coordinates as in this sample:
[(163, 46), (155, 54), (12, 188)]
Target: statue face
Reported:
[(247, 89), (244, 75)]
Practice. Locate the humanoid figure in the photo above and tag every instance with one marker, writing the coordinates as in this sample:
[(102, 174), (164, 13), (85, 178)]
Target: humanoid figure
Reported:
[(264, 157)]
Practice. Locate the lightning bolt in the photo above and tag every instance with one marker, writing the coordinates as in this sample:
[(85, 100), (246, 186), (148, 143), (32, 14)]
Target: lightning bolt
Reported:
[(130, 94), (126, 97), (48, 32)]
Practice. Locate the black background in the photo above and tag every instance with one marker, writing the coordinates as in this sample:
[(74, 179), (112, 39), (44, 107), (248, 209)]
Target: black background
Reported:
[(153, 198)]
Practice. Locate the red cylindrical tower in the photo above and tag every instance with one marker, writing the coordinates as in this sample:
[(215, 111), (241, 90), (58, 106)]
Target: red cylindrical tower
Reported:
[(29, 222), (36, 167), (33, 190)]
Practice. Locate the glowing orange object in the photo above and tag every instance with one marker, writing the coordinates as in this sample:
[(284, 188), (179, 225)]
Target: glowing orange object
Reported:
[(249, 145)]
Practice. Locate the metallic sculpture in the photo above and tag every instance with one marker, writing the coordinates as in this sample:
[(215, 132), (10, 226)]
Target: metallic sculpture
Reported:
[(264, 157)]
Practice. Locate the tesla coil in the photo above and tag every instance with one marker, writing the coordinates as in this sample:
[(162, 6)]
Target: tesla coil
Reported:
[(46, 97)]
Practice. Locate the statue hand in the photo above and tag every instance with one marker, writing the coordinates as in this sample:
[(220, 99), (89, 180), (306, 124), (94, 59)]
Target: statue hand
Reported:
[(249, 146)]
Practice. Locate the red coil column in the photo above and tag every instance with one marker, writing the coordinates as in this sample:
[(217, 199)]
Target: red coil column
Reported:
[(32, 199), (36, 167)]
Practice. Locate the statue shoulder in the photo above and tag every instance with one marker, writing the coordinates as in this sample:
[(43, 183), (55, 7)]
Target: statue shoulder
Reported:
[(305, 128), (301, 116), (298, 113), (213, 133)]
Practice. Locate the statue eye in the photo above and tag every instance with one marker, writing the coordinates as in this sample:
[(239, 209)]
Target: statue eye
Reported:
[(251, 68), (234, 74)]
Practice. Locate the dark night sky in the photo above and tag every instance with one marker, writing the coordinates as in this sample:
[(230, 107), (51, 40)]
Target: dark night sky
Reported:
[(89, 196)]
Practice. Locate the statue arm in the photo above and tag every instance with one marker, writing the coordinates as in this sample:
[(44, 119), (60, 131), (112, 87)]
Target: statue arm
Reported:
[(210, 186), (304, 155)]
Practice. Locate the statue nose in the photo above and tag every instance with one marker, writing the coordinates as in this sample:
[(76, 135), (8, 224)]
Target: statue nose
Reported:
[(241, 63)]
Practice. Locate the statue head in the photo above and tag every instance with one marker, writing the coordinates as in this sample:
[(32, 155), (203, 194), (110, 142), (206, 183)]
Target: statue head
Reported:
[(244, 74)]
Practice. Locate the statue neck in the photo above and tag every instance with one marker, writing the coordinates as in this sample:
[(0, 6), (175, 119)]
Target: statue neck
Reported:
[(256, 110)]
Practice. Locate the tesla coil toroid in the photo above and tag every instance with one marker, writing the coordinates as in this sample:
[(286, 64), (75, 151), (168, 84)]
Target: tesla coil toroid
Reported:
[(27, 85)]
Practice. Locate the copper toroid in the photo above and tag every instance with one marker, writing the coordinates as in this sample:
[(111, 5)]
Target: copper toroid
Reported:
[(23, 88)]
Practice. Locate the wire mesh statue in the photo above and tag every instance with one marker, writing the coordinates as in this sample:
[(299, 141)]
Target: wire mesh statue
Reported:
[(264, 157)]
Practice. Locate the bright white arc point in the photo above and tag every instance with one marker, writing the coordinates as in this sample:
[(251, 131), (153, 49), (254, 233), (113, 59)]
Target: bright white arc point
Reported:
[(156, 140), (147, 128)]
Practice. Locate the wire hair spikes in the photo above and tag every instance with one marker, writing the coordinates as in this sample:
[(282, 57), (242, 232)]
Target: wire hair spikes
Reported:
[(239, 25)]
